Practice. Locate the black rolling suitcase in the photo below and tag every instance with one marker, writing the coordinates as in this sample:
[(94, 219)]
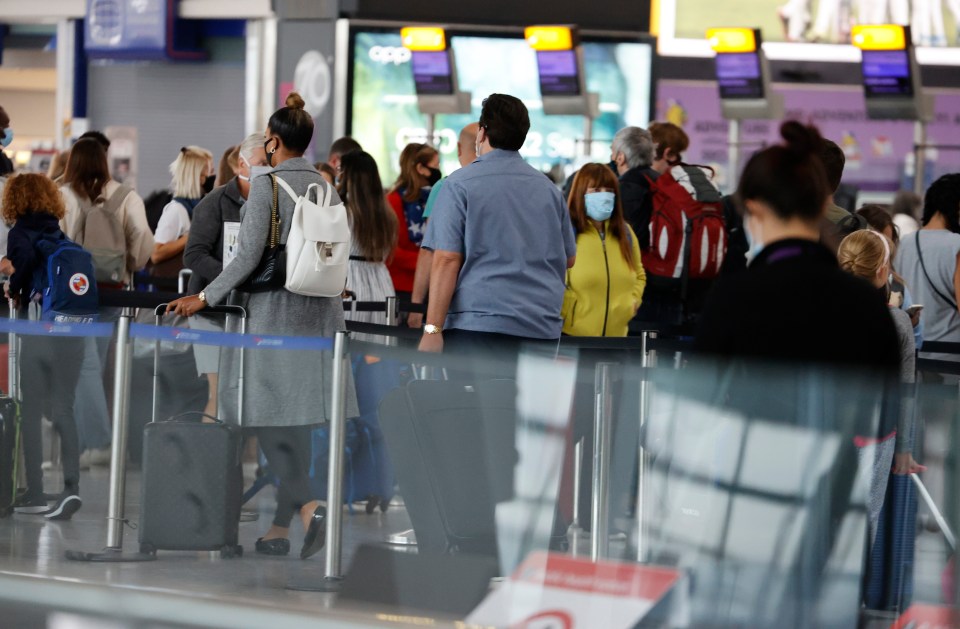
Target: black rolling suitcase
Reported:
[(9, 453), (453, 448), (10, 432), (192, 480)]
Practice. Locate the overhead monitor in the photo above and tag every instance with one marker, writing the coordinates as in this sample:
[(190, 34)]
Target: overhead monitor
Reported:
[(887, 73), (432, 73), (381, 104), (739, 75), (891, 76), (559, 74)]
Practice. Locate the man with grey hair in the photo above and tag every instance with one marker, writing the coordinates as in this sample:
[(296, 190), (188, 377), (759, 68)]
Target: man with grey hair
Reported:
[(632, 152), (212, 244)]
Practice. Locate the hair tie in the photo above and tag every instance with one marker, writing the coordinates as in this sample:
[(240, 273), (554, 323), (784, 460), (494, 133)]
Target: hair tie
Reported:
[(886, 245)]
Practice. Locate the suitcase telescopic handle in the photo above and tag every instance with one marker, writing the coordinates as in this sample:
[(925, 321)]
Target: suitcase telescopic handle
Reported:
[(240, 311)]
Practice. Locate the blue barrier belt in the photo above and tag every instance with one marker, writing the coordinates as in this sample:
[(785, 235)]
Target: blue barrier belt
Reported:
[(228, 339), (49, 328)]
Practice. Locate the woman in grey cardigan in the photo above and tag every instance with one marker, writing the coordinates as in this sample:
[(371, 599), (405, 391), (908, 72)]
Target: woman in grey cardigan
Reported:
[(286, 392)]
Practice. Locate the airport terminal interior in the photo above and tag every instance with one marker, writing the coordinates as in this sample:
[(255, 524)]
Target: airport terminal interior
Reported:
[(533, 315)]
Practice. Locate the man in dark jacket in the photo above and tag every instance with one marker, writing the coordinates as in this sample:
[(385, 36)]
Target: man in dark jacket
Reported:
[(213, 234), (632, 152)]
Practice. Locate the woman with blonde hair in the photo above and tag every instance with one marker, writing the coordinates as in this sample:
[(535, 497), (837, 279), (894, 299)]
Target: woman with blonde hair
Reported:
[(190, 172)]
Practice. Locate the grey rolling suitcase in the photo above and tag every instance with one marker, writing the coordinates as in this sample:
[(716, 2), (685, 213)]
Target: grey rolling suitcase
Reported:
[(192, 482)]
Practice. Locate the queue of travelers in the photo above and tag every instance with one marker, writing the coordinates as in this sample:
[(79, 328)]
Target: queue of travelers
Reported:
[(499, 255)]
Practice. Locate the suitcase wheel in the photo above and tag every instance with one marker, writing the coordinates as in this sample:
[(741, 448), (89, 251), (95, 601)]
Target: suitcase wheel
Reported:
[(231, 552), (148, 549), (372, 502), (384, 505)]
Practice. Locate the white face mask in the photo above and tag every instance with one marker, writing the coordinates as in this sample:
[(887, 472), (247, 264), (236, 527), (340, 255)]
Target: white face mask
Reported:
[(754, 239)]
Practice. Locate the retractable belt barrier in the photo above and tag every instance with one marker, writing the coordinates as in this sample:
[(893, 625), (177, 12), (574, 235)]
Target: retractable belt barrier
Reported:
[(647, 345), (937, 365)]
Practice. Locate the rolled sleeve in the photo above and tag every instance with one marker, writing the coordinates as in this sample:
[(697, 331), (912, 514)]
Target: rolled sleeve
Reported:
[(446, 229)]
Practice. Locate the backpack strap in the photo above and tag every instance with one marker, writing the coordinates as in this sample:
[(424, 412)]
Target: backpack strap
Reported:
[(116, 200), (286, 188), (951, 302)]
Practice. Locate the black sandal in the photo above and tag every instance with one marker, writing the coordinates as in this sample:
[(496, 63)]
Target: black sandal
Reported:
[(277, 546)]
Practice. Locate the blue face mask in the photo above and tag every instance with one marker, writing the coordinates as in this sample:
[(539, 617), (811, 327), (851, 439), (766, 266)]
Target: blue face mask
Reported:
[(7, 137), (599, 205)]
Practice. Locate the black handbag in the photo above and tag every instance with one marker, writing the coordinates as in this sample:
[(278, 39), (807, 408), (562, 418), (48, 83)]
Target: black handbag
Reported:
[(271, 273)]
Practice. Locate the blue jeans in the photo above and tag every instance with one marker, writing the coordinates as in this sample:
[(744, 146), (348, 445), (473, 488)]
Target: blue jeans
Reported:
[(90, 403)]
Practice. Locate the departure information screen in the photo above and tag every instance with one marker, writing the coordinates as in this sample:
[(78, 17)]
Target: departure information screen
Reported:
[(431, 73), (739, 75), (886, 73), (558, 73)]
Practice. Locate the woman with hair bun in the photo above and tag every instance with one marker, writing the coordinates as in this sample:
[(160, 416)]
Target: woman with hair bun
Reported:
[(286, 394), (793, 301)]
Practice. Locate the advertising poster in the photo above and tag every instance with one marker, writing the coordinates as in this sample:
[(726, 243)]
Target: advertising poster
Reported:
[(878, 152), (933, 22), (384, 116)]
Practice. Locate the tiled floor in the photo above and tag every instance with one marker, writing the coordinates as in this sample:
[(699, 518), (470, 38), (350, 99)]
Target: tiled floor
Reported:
[(233, 590), (30, 545)]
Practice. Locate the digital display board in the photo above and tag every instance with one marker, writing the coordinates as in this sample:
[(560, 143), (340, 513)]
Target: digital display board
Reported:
[(886, 73), (558, 73), (431, 73), (382, 113), (739, 75)]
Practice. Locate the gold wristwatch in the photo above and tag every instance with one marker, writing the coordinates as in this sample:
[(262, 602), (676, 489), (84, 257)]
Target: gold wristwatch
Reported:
[(432, 329), (202, 296)]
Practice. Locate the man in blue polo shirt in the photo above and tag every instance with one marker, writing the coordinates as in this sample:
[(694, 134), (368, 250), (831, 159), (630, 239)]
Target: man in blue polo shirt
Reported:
[(502, 243)]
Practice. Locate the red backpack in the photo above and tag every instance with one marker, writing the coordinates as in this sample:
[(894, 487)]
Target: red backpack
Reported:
[(688, 234)]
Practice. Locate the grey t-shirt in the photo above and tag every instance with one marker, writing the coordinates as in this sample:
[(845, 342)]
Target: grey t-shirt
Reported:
[(513, 229), (941, 321)]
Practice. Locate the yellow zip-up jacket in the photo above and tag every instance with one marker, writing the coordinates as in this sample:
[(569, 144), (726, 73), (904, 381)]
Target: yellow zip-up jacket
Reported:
[(603, 292)]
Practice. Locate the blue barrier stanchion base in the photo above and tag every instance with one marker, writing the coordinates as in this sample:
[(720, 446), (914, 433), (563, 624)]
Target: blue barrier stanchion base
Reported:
[(110, 555)]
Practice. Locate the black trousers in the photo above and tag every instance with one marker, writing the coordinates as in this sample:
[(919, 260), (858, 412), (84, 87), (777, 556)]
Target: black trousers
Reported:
[(49, 371), (287, 449)]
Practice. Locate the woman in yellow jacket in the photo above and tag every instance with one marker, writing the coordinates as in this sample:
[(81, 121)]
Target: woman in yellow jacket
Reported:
[(605, 286)]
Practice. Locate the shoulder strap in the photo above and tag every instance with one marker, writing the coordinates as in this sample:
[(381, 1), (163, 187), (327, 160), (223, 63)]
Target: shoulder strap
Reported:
[(286, 187), (953, 304), (115, 202)]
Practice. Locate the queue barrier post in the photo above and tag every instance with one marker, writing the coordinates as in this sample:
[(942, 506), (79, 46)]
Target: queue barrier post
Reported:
[(648, 359), (13, 373), (332, 571), (602, 421), (575, 529), (118, 453), (392, 313), (182, 279)]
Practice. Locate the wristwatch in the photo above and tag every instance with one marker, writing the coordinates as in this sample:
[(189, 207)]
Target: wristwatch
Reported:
[(432, 329), (202, 296)]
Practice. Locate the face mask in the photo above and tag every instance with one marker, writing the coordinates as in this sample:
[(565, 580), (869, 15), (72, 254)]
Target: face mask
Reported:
[(256, 171), (7, 137), (435, 176), (208, 184), (599, 205), (754, 245)]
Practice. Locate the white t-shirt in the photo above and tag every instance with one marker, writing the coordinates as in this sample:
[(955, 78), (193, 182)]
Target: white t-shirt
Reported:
[(174, 223)]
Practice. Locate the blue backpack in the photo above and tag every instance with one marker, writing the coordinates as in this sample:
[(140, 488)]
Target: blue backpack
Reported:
[(66, 280)]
